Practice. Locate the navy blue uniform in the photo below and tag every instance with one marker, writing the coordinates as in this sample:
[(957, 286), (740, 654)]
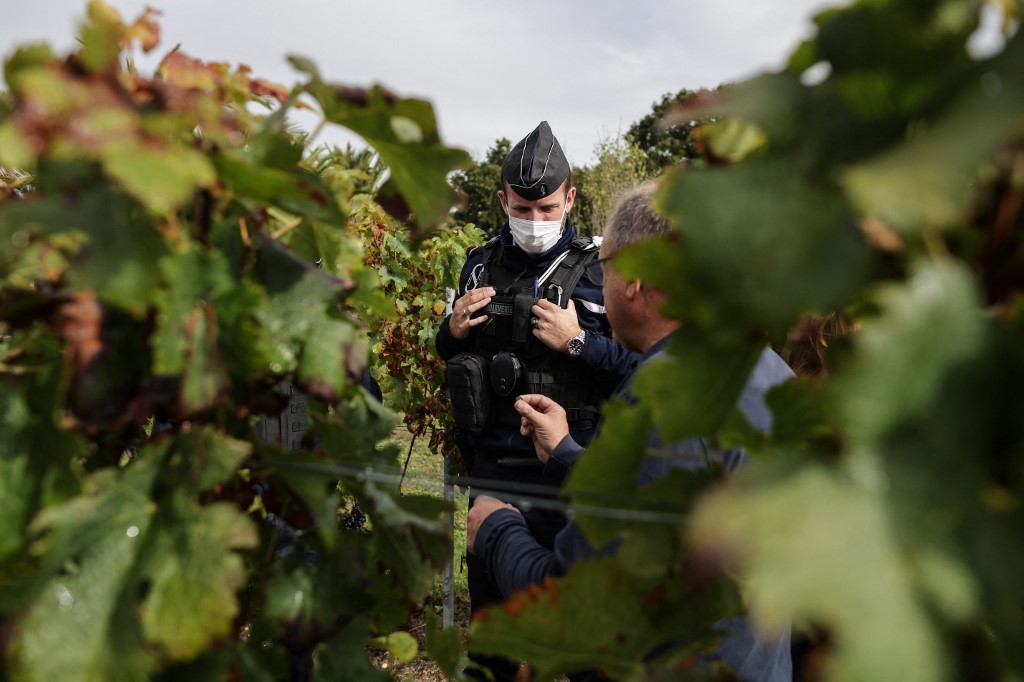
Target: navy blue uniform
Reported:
[(605, 362)]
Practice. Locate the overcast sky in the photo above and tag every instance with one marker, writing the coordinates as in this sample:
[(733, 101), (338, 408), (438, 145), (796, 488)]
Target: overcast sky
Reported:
[(491, 69)]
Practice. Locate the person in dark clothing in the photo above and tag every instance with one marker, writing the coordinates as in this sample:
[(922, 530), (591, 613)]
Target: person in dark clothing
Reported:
[(497, 535), (527, 318)]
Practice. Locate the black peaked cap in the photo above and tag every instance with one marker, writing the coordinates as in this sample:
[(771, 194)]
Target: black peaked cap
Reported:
[(536, 166)]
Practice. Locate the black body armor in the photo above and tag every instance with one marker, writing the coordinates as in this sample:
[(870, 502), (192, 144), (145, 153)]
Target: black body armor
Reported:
[(506, 360)]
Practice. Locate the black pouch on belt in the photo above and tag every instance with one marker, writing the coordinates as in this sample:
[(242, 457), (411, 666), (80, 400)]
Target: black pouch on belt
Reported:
[(468, 393)]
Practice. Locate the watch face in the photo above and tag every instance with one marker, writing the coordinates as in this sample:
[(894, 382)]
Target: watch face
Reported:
[(575, 345)]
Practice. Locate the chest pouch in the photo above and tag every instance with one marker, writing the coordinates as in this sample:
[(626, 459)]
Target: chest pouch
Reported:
[(507, 374), (468, 392), (522, 319)]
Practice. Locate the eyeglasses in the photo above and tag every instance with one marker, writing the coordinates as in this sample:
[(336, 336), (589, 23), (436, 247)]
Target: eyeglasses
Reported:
[(595, 272)]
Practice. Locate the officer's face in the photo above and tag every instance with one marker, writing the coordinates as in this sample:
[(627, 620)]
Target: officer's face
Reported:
[(551, 207)]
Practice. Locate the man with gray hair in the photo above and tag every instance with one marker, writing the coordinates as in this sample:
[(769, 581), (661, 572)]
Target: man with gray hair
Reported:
[(496, 533)]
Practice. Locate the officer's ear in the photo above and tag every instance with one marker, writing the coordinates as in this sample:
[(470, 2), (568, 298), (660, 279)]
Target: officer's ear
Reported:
[(634, 289)]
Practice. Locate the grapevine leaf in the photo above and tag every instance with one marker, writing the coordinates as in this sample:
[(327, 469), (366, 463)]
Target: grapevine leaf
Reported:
[(401, 645), (306, 600), (333, 351), (194, 573), (343, 657), (211, 456), (77, 630), (191, 278), (544, 625), (204, 378), (858, 584), (414, 539), (404, 132), (123, 241), (929, 183), (444, 646), (902, 367), (161, 179), (759, 254), (299, 192)]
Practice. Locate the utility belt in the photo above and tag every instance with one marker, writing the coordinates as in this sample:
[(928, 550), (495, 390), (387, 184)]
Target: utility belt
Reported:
[(482, 391)]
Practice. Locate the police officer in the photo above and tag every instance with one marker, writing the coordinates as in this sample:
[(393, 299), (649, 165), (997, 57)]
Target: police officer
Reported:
[(528, 318)]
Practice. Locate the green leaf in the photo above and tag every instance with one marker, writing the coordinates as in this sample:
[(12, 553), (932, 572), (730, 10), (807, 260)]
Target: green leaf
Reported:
[(306, 601), (204, 378), (798, 564), (161, 179), (404, 132), (81, 627), (14, 151), (124, 242), (194, 573), (788, 247), (929, 183), (901, 367), (211, 456), (400, 644), (191, 280), (413, 537), (299, 192), (444, 646), (332, 353), (559, 629), (343, 657)]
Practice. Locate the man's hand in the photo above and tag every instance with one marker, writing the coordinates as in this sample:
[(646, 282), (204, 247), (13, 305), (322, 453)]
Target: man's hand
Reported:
[(555, 326), (542, 420), (482, 507), (461, 320)]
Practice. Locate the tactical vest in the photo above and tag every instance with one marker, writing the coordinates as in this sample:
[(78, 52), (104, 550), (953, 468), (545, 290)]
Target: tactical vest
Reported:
[(506, 360)]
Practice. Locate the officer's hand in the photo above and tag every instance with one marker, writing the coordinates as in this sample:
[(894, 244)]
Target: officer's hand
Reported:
[(542, 420), (555, 326), (460, 321), (482, 507)]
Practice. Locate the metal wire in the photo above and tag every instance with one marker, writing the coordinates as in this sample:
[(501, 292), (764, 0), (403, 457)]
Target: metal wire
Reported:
[(522, 495)]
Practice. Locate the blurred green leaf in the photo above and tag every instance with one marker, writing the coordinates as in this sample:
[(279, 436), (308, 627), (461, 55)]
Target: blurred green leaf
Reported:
[(817, 544), (929, 183), (343, 657), (759, 253), (123, 242), (194, 573), (404, 132), (77, 629), (161, 179), (902, 366), (400, 644)]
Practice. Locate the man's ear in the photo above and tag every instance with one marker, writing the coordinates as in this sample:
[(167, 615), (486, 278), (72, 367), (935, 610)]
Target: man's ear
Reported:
[(633, 289)]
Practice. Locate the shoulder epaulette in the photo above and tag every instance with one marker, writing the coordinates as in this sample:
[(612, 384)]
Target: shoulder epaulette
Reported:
[(586, 243)]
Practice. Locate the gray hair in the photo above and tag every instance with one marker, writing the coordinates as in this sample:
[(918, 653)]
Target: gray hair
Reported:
[(633, 219)]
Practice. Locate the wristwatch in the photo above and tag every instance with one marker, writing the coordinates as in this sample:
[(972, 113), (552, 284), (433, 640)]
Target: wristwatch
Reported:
[(576, 343)]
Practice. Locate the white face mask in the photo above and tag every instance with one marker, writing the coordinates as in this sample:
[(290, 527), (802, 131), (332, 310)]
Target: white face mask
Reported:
[(535, 236)]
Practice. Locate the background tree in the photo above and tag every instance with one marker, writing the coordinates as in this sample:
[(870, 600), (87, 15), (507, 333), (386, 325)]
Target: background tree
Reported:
[(665, 143), (479, 184), (620, 165)]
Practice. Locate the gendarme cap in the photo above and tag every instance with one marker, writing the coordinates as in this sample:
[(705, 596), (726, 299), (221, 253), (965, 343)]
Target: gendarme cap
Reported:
[(536, 166)]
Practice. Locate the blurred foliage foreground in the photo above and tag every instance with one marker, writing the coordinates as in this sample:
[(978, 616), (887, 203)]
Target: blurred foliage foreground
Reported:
[(158, 261)]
